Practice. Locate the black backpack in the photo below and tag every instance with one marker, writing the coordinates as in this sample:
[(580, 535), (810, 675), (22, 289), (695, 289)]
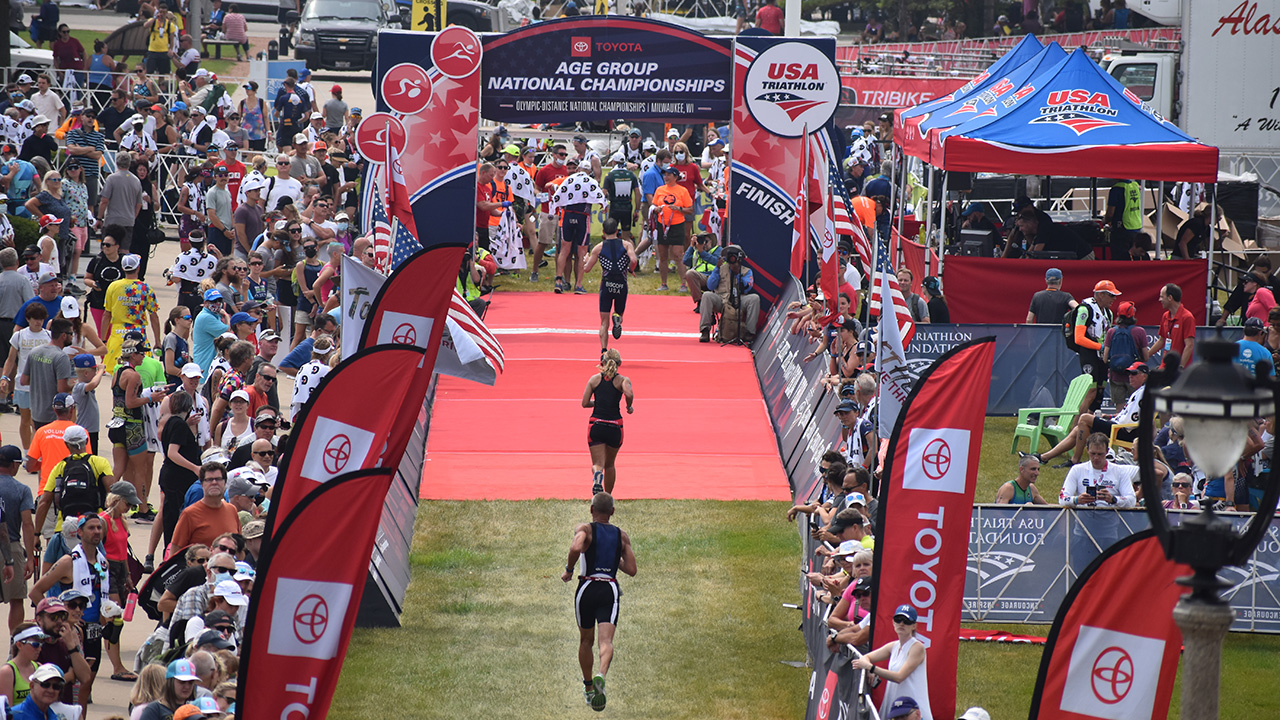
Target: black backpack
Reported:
[(1069, 326), (78, 491)]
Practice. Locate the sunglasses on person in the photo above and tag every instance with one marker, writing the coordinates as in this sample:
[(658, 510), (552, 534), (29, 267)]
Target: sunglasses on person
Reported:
[(226, 548), (52, 684), (31, 643), (265, 453), (272, 378), (224, 569), (501, 167), (202, 560), (282, 163), (255, 262), (903, 620), (295, 231), (369, 254), (563, 154), (77, 604), (1182, 485)]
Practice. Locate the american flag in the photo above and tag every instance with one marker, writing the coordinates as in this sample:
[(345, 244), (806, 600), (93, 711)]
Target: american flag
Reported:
[(404, 244), (381, 231), (461, 313), (398, 204), (840, 204), (906, 327)]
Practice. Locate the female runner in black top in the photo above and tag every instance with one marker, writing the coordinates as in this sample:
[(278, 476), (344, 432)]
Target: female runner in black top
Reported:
[(604, 393)]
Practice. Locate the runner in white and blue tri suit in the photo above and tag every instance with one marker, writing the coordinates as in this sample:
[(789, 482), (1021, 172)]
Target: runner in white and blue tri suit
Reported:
[(602, 549), (616, 257)]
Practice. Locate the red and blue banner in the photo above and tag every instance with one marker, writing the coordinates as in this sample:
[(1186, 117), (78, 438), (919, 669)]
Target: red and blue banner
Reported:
[(930, 475), (599, 69), (430, 82), (1103, 659), (781, 87)]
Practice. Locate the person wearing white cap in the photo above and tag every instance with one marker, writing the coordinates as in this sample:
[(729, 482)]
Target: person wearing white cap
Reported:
[(50, 228), (674, 136), (40, 146), (129, 305), (311, 373), (44, 688), (237, 428)]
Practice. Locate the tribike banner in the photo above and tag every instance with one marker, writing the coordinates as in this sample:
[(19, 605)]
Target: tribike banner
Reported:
[(603, 68)]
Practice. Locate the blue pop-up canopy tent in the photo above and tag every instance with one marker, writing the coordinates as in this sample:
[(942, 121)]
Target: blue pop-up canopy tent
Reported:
[(1078, 121), (906, 121), (997, 99)]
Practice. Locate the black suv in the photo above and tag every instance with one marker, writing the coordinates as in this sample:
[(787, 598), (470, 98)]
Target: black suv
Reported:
[(343, 34)]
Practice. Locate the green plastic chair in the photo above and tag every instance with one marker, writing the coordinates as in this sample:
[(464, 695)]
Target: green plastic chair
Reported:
[(1053, 424)]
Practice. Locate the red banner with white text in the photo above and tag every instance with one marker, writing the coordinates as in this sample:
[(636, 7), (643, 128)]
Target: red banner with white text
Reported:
[(893, 91), (925, 508), (306, 596), (1104, 660)]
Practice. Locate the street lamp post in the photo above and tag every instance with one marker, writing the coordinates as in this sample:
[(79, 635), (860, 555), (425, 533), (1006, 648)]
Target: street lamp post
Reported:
[(1217, 399)]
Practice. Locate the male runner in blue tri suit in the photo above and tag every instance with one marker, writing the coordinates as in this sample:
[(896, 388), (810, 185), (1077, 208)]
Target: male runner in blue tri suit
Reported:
[(616, 257), (604, 549)]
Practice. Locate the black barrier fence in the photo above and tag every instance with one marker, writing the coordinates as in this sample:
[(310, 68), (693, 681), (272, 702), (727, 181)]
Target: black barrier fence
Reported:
[(388, 580)]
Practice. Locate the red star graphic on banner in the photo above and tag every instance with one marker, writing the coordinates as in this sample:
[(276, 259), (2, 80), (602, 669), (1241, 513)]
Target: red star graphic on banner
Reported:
[(441, 141)]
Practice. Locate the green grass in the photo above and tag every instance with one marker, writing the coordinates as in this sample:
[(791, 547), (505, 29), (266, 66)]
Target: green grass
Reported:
[(489, 629)]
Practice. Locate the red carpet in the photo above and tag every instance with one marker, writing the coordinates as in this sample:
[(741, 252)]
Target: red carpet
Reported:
[(700, 429)]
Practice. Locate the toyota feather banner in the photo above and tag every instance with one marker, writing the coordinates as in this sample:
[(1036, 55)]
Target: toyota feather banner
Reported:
[(932, 473), (306, 596), (1103, 659), (348, 423)]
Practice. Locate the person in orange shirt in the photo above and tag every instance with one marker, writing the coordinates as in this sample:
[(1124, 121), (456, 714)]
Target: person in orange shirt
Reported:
[(671, 202), (203, 521), (47, 448)]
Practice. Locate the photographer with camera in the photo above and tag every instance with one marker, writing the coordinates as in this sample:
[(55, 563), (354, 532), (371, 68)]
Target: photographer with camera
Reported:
[(470, 278), (729, 292)]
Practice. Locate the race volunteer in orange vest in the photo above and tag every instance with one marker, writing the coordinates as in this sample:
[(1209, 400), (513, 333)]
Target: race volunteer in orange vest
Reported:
[(673, 203)]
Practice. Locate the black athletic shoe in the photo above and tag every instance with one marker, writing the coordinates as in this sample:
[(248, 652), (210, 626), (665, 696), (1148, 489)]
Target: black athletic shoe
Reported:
[(597, 483), (617, 326)]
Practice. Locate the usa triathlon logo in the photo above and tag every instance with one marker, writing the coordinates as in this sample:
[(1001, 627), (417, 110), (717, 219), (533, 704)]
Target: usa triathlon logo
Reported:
[(1079, 110), (790, 86), (793, 105)]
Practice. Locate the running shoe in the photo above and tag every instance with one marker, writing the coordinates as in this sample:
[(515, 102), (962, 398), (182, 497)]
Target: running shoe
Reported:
[(559, 286), (533, 276), (589, 696), (683, 288), (579, 290), (617, 326), (597, 702), (149, 565), (662, 287), (705, 336), (597, 483)]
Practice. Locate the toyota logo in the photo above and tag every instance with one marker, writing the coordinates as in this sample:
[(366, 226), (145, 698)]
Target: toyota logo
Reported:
[(1112, 675), (310, 619), (405, 334), (581, 46), (936, 459), (337, 452)]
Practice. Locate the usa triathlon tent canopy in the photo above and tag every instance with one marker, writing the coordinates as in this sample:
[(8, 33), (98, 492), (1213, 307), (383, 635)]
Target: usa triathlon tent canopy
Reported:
[(997, 99), (907, 122), (1074, 120)]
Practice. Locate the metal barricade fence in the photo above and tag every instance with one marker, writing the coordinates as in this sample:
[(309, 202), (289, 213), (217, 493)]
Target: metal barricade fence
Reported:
[(169, 170)]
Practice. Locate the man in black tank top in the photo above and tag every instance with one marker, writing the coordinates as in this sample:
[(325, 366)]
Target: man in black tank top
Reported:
[(604, 549)]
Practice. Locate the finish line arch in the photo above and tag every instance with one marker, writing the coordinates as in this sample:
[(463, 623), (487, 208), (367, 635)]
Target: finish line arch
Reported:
[(603, 68)]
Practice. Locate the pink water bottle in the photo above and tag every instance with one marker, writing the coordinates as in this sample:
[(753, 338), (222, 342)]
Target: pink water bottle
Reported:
[(130, 605)]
